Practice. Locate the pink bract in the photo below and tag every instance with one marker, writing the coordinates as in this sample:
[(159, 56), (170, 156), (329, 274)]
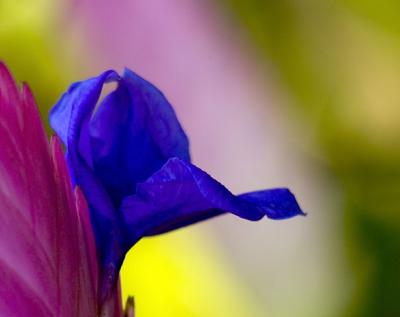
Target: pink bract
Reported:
[(48, 261)]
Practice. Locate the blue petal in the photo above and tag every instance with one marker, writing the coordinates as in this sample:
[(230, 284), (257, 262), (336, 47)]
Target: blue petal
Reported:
[(70, 118), (181, 194), (161, 121), (133, 133)]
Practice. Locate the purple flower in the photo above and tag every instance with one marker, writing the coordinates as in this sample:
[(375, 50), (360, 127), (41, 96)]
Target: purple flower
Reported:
[(130, 156)]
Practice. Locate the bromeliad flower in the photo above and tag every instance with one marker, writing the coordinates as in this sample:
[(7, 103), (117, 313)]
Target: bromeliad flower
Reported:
[(130, 156), (48, 260)]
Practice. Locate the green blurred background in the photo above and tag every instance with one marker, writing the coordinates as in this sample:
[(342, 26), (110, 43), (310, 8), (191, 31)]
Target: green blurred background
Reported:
[(316, 84)]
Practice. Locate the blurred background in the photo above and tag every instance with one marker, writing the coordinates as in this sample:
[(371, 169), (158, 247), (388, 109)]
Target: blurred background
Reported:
[(296, 93)]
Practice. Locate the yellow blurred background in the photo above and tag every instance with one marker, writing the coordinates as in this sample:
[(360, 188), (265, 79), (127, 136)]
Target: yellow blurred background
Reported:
[(297, 93)]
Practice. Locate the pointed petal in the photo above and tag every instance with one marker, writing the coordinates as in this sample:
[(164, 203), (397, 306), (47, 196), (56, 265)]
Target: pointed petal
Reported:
[(181, 194), (46, 253), (26, 234), (74, 265), (8, 94), (87, 248)]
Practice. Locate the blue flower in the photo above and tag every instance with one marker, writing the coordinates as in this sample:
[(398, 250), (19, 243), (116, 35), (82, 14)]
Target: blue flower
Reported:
[(130, 156)]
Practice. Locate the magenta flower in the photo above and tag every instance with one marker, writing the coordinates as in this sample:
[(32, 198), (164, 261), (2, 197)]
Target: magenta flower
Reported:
[(48, 257)]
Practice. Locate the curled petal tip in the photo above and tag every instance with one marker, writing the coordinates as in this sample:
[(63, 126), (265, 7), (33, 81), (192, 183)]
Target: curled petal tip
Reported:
[(180, 194), (8, 88)]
